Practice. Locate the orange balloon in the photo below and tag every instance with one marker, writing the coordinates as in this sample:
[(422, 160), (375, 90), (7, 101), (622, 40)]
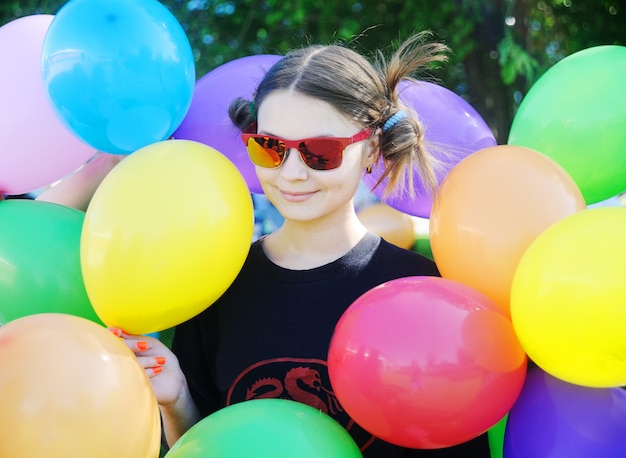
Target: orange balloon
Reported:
[(488, 210), (68, 387), (391, 224)]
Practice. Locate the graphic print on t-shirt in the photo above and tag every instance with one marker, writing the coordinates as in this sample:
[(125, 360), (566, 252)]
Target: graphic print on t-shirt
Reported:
[(297, 379)]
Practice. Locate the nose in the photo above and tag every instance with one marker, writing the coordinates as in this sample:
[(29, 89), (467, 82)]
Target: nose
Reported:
[(293, 167)]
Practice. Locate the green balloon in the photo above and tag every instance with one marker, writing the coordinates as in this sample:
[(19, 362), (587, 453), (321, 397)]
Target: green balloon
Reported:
[(496, 437), (266, 428), (40, 261), (575, 113)]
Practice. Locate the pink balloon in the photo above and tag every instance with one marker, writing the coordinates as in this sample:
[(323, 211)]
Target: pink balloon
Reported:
[(425, 362), (453, 130), (207, 120), (36, 149)]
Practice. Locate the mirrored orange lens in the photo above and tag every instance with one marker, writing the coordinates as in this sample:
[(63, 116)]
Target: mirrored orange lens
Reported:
[(317, 153), (265, 152)]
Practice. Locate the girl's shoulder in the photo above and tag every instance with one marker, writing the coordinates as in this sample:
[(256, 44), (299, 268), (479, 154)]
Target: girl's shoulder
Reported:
[(403, 261)]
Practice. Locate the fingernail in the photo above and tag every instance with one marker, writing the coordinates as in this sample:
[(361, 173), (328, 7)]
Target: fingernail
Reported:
[(157, 370), (116, 331), (160, 360), (142, 345)]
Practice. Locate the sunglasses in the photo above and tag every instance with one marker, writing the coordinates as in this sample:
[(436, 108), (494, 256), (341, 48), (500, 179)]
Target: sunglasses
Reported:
[(320, 153)]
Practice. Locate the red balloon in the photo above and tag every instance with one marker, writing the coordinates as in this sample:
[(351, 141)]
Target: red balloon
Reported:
[(426, 362)]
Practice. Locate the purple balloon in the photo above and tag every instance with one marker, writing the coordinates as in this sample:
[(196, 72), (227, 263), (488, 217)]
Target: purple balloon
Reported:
[(453, 129), (207, 120), (552, 418)]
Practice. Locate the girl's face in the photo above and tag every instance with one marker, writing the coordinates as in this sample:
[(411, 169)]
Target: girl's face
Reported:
[(297, 191)]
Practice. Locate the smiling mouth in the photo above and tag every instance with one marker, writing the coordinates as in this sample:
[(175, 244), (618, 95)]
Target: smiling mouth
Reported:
[(296, 196)]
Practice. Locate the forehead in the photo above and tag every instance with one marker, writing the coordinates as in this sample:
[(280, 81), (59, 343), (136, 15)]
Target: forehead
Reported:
[(292, 115)]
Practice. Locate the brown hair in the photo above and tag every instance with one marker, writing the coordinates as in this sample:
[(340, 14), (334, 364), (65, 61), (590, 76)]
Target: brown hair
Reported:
[(364, 91)]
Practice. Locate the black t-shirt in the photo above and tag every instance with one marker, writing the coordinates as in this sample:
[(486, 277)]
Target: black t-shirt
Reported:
[(269, 334)]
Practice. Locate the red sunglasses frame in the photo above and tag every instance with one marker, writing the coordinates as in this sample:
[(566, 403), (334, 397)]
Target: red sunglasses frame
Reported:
[(301, 145)]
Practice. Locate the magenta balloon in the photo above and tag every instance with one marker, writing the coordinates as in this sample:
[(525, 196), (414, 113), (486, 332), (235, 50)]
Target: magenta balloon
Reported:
[(553, 418), (36, 149), (453, 130), (207, 120)]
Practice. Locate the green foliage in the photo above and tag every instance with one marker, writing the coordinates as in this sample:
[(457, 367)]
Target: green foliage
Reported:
[(546, 31), (511, 42), (515, 62)]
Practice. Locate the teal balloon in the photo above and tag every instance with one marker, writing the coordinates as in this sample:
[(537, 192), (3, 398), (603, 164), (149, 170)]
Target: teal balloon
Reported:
[(266, 428), (40, 261), (120, 74), (575, 113)]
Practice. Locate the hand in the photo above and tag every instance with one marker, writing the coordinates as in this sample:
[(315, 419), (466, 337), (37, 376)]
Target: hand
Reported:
[(160, 364), (178, 410)]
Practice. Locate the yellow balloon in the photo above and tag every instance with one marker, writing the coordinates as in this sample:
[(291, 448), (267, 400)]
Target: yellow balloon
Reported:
[(164, 236), (568, 298), (70, 388)]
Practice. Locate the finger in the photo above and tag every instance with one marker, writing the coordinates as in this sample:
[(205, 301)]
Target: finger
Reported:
[(152, 371), (119, 331), (116, 331), (136, 344), (140, 345), (151, 361)]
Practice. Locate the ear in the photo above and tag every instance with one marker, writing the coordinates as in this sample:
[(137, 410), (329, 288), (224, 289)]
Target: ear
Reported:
[(373, 148)]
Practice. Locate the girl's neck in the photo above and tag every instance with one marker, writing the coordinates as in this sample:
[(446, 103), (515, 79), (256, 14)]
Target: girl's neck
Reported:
[(301, 245)]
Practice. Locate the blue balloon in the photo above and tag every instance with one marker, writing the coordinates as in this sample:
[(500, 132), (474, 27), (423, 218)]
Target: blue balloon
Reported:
[(555, 419), (120, 74)]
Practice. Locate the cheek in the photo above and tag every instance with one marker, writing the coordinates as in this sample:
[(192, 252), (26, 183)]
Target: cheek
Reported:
[(354, 162), (264, 175), (345, 180)]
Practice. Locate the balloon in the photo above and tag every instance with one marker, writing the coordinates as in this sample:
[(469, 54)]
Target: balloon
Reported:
[(452, 129), (207, 120), (71, 388), (119, 74), (392, 225), (574, 115), (40, 260), (489, 208), (552, 418), (165, 234), (425, 362), (76, 189), (568, 298), (266, 428), (496, 437), (36, 149)]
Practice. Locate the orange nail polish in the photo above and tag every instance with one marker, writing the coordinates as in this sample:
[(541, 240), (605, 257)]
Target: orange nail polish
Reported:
[(160, 360), (157, 370), (142, 345)]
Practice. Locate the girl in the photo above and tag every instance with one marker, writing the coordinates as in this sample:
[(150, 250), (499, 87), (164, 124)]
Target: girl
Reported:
[(321, 117)]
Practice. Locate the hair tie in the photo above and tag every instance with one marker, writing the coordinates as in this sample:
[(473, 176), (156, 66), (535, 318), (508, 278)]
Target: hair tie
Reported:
[(252, 110), (401, 114)]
